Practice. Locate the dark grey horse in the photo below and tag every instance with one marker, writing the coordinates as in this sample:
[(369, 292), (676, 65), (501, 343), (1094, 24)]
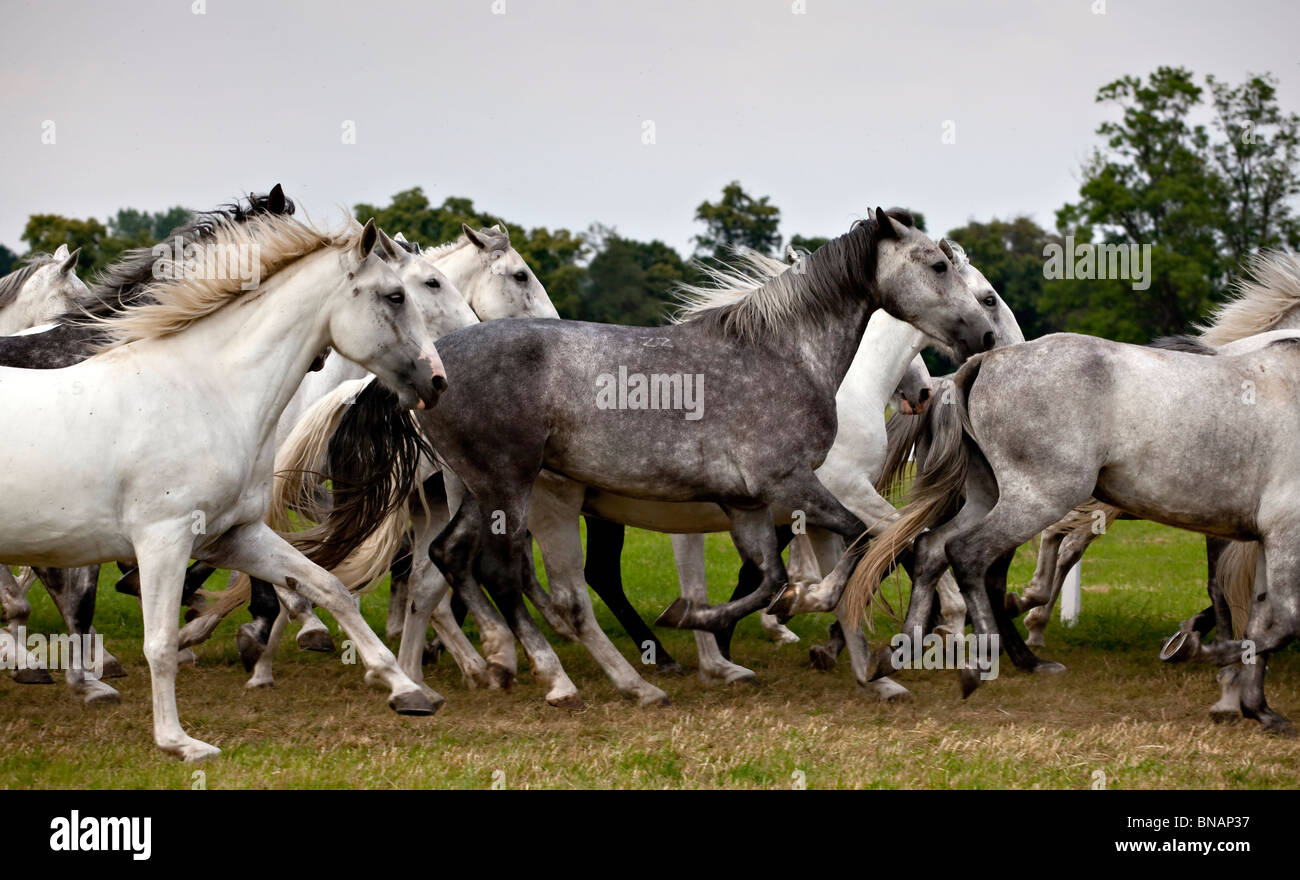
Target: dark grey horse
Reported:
[(735, 406)]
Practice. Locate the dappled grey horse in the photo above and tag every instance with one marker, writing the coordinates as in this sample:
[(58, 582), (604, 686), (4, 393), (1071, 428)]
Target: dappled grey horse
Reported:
[(731, 382), (1215, 452)]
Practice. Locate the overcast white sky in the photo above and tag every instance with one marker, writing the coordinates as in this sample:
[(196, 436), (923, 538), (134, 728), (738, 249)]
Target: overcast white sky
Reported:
[(537, 114)]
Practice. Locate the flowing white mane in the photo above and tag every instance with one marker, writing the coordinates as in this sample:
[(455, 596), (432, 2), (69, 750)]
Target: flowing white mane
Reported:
[(170, 305), (1260, 299)]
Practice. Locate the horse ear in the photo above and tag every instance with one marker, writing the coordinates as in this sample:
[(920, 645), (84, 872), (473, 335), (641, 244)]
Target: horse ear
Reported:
[(71, 262), (399, 238), (392, 248), (275, 201), (61, 252), (791, 255), (504, 230), (885, 227), (473, 237), (947, 250), (369, 235)]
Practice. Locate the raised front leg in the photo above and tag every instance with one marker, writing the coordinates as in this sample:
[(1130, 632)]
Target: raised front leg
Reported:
[(256, 548)]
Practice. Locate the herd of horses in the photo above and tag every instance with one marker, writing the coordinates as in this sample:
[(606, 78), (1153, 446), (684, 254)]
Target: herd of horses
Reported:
[(369, 406)]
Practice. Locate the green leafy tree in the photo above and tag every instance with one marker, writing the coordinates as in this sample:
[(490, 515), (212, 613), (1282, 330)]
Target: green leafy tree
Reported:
[(808, 243), (629, 282), (1201, 202), (45, 232), (737, 220), (8, 260)]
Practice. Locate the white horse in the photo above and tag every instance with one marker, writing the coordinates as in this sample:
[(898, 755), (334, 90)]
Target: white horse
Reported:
[(166, 435), (44, 288), (492, 281)]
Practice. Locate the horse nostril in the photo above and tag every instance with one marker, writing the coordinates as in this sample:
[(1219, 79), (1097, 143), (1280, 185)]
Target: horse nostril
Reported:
[(988, 340), (440, 384), (925, 395)]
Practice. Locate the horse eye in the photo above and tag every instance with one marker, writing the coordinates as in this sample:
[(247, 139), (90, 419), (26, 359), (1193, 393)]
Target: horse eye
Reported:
[(940, 267), (396, 298), (521, 276), (990, 301), (433, 284)]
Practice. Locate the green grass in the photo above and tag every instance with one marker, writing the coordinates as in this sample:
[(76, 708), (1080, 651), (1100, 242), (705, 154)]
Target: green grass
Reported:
[(1118, 711)]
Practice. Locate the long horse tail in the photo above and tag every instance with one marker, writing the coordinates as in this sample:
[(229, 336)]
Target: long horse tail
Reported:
[(1084, 518), (372, 450), (374, 457), (301, 460), (939, 486), (902, 431), (1235, 574)]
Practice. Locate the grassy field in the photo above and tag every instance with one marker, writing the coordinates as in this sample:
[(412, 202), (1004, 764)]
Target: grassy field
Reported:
[(1118, 715)]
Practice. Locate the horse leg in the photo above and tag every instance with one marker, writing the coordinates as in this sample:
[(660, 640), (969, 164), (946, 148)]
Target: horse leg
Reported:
[(603, 571), (262, 673), (256, 549), (163, 558), (428, 598), (73, 591), (751, 577), (1274, 619), (466, 544), (399, 590), (553, 518), (980, 557), (688, 553), (13, 600), (253, 637)]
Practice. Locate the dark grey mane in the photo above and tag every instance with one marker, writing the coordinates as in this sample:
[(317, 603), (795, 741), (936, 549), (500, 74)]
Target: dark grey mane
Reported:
[(14, 281), (118, 287), (825, 286)]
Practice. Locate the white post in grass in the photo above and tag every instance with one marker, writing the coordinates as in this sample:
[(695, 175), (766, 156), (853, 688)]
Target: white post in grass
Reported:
[(1071, 594)]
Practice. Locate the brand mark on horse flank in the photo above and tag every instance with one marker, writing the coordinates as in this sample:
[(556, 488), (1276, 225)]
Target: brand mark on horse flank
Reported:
[(684, 391)]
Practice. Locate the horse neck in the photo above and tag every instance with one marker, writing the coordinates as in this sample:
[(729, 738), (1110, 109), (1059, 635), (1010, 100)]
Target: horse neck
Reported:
[(1289, 321), (262, 346), (887, 348), (829, 346), (28, 309)]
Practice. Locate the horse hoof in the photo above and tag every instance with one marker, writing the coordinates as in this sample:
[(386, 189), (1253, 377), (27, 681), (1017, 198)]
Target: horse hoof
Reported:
[(822, 658), (185, 657), (316, 640), (33, 676), (970, 680), (782, 607), (1035, 640), (415, 703), (499, 677), (113, 669), (572, 702), (1049, 667), (674, 668), (106, 697), (675, 614), (1278, 727), (195, 751), (250, 649), (656, 700), (1224, 716), (1014, 604), (1181, 646)]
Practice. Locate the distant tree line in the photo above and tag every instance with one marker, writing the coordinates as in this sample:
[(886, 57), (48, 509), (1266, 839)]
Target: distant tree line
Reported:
[(1202, 197)]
